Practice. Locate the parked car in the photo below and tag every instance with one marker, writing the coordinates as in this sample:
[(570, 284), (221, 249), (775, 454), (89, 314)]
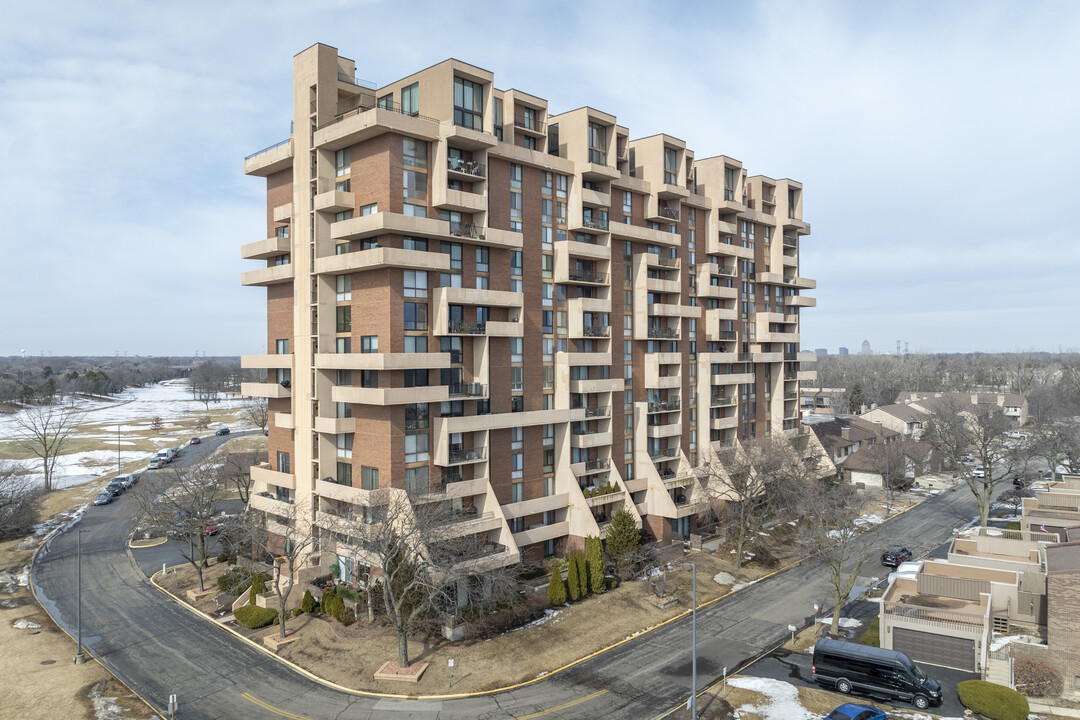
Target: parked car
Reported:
[(1017, 435), (853, 711), (103, 498), (979, 472), (894, 555), (848, 667), (222, 431), (210, 530), (116, 487), (194, 441), (156, 462), (1018, 482), (126, 480)]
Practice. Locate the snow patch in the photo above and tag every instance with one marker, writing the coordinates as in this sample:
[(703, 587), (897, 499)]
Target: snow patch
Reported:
[(869, 520), (781, 699), (844, 622), (26, 624), (1000, 642), (724, 578)]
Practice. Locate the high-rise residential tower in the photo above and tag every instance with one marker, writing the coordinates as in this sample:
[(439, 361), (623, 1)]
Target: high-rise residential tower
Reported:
[(529, 316)]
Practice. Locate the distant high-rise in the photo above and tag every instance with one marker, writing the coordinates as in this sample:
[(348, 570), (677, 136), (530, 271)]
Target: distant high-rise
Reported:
[(821, 351), (866, 350), (843, 351)]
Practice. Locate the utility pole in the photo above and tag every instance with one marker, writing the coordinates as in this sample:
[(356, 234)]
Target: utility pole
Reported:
[(692, 703), (80, 658)]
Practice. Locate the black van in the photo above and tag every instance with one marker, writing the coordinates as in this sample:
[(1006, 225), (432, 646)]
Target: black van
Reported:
[(878, 672)]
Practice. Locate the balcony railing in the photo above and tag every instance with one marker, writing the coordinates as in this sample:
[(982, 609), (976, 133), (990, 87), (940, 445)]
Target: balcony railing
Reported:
[(726, 335), (664, 454), (455, 357), (726, 270), (935, 617), (362, 102), (768, 198), (595, 224), (469, 167), (267, 149), (664, 406), (583, 431), (533, 126), (744, 357), (464, 328), (790, 242), (669, 213), (466, 230), (467, 390), (459, 454), (663, 333), (596, 330), (722, 400), (729, 194), (792, 424), (791, 356), (346, 77), (791, 396), (600, 464), (451, 475), (589, 276), (669, 262), (599, 411)]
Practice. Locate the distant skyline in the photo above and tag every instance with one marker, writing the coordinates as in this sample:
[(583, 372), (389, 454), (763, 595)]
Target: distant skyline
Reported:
[(936, 142)]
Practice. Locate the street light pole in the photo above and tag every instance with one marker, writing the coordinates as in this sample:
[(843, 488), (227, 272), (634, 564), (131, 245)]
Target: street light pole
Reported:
[(117, 446), (80, 658), (693, 641)]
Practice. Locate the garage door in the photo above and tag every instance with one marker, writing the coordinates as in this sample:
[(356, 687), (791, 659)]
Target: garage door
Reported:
[(924, 647)]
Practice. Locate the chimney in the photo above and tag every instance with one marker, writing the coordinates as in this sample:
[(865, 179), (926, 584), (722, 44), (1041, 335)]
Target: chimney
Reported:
[(845, 432)]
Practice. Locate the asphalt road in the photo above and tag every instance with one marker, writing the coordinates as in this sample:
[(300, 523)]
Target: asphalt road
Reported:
[(159, 648)]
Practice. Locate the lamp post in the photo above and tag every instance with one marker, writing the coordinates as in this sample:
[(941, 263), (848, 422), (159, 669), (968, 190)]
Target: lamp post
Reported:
[(117, 446), (693, 643), (80, 658)]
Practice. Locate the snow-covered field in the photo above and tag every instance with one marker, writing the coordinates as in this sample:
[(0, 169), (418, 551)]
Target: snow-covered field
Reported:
[(128, 415)]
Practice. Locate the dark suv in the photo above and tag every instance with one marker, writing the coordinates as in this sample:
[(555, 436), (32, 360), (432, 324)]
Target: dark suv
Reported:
[(895, 555)]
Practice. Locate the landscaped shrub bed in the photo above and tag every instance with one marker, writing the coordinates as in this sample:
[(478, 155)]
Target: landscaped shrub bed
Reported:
[(253, 616), (996, 702), (1036, 678)]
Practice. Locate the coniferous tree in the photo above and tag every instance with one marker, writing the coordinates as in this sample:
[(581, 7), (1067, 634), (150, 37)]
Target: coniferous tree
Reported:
[(556, 591), (572, 586)]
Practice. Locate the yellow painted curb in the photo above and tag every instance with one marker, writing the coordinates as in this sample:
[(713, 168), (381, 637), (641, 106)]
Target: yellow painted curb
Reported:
[(152, 542)]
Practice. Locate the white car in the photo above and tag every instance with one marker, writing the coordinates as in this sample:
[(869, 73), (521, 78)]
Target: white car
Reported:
[(1017, 435), (979, 472)]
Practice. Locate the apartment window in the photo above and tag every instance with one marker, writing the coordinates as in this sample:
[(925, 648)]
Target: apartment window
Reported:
[(416, 448), (416, 479), (415, 283), (342, 288), (369, 378), (517, 374), (411, 243), (344, 442), (369, 478), (499, 119), (342, 162), (342, 410), (517, 404), (597, 144), (416, 316), (369, 209), (516, 434), (410, 99), (529, 142), (415, 210), (627, 202), (414, 185), (468, 104), (449, 280), (481, 259), (561, 184), (386, 102), (454, 251), (517, 464), (517, 492), (416, 343), (369, 344), (549, 434), (283, 462), (283, 347), (671, 166), (515, 349), (546, 207), (515, 211), (414, 152), (515, 176), (730, 178), (344, 318), (546, 182), (416, 416), (416, 378), (343, 215), (343, 345)]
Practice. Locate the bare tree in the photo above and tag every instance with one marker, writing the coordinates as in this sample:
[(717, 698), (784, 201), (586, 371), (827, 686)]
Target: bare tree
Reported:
[(181, 503), (1059, 446), (156, 423), (890, 461), (207, 381), (256, 411), (18, 506), (414, 549), (236, 473), (829, 529), (755, 480), (44, 432), (288, 539)]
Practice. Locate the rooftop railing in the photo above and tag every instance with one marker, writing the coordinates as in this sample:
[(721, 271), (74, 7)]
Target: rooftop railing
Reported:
[(267, 149)]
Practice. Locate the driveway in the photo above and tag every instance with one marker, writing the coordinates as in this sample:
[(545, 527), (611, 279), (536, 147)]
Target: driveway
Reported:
[(159, 648)]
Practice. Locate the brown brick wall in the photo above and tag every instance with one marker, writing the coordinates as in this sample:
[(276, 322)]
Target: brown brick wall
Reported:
[(1063, 632)]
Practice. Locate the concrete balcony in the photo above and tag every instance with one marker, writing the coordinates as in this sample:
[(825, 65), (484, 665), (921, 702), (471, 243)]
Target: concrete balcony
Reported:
[(590, 440), (456, 456), (589, 359), (267, 362), (335, 201), (268, 248), (590, 467), (381, 258), (722, 400), (680, 311), (283, 420), (269, 505), (273, 391), (781, 279), (389, 396), (598, 171), (801, 301), (271, 275), (667, 191), (606, 499), (727, 228), (807, 356), (767, 357), (796, 225), (724, 423), (636, 233), (504, 329), (465, 525), (386, 223), (717, 291), (595, 198), (365, 123), (283, 213), (335, 426), (443, 427), (731, 250), (587, 251), (806, 375), (381, 361), (674, 480), (663, 286), (487, 563), (726, 379), (445, 198), (459, 489), (655, 261), (535, 506), (596, 386), (542, 533), (668, 331), (352, 495), (466, 138), (663, 431), (273, 159), (714, 316), (264, 476), (636, 484), (469, 296), (689, 508)]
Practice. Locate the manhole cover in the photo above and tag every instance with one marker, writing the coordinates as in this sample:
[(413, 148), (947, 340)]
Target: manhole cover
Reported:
[(48, 662)]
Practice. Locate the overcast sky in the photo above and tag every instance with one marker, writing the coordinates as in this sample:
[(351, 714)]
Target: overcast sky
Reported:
[(937, 142)]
